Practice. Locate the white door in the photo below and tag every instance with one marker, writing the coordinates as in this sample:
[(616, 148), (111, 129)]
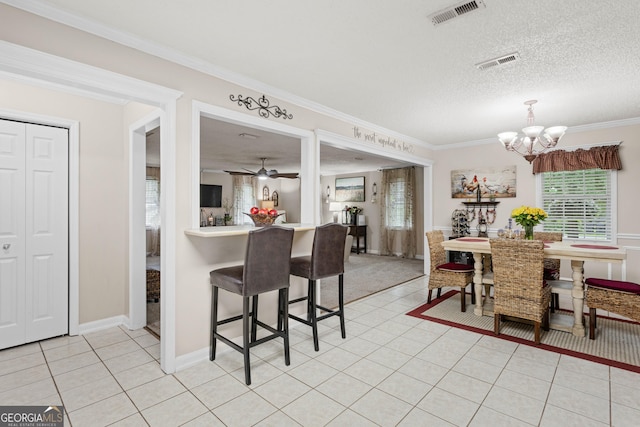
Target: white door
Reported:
[(34, 210)]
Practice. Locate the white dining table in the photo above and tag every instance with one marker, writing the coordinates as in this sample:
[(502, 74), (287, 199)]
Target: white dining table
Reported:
[(577, 253)]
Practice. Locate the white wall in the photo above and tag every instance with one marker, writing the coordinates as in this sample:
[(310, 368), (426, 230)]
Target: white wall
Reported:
[(493, 155), (372, 210)]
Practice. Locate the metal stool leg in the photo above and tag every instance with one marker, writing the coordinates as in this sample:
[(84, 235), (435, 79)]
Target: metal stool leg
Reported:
[(283, 317), (245, 339), (214, 322), (341, 304), (313, 319), (254, 318)]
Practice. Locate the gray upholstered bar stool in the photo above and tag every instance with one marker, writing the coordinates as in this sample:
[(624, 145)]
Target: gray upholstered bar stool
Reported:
[(263, 271), (326, 260)]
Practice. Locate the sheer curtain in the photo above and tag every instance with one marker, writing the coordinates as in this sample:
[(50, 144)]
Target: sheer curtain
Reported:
[(153, 211), (245, 189), (397, 212)]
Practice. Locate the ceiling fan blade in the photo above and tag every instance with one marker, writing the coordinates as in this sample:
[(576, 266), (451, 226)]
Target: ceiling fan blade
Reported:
[(292, 175), (240, 173), (252, 172)]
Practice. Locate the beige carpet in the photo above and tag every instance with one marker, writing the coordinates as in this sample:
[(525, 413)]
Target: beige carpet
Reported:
[(617, 342), (153, 317), (366, 274)]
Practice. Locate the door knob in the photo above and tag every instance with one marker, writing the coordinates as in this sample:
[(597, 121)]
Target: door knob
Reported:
[(6, 246)]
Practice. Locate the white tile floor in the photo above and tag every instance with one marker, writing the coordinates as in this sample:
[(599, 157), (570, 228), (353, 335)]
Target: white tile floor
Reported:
[(391, 370)]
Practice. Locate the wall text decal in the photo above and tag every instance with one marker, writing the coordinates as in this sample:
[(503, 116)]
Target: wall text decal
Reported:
[(384, 141)]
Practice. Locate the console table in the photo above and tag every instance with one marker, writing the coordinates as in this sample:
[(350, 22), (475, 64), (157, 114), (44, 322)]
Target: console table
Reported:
[(358, 231)]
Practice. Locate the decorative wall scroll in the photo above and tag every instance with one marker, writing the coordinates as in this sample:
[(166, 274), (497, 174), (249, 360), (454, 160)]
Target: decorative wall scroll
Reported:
[(350, 189), (262, 105), (492, 182), (274, 198)]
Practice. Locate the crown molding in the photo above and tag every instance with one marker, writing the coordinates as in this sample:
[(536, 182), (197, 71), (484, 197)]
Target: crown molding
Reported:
[(573, 129), (49, 12), (29, 65)]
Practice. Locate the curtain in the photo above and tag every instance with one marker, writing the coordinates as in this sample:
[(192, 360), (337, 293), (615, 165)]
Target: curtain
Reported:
[(153, 211), (397, 212), (606, 157), (245, 189)]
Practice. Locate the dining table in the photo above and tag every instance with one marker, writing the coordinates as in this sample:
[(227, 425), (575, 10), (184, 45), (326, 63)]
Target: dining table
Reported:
[(577, 253)]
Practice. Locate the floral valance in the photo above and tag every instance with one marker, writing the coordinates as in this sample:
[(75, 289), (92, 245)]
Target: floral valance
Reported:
[(605, 157)]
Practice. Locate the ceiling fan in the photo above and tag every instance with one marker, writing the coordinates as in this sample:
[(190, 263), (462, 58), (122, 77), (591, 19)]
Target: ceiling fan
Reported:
[(264, 174)]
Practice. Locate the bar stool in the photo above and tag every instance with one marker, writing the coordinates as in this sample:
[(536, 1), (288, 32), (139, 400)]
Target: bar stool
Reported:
[(326, 260), (263, 271)]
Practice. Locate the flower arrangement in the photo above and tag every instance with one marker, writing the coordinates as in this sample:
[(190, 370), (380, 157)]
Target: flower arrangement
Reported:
[(528, 216), (227, 206), (353, 210)]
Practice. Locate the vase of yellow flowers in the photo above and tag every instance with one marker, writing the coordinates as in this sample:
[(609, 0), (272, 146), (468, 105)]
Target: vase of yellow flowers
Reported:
[(528, 217)]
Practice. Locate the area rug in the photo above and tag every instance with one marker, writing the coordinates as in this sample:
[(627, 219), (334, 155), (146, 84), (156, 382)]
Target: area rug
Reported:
[(617, 341), (366, 274)]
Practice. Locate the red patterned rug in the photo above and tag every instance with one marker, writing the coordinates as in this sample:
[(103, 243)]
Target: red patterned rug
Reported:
[(617, 341)]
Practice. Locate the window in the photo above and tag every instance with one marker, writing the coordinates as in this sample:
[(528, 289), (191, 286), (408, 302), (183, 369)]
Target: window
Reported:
[(152, 202), (579, 203), (398, 210), (244, 197)]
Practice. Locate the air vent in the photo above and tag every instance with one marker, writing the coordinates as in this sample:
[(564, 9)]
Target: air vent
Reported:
[(506, 59), (455, 11)]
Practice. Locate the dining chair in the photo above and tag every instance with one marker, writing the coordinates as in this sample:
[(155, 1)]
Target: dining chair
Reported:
[(519, 288), (552, 270), (326, 260), (443, 273), (262, 271), (616, 296)]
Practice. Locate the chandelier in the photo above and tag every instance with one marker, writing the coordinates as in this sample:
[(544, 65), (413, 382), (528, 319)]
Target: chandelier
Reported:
[(536, 139)]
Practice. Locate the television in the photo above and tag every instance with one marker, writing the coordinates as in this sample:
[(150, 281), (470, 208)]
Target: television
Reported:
[(210, 196)]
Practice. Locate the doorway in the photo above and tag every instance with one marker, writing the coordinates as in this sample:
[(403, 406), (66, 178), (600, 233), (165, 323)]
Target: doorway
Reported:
[(153, 230)]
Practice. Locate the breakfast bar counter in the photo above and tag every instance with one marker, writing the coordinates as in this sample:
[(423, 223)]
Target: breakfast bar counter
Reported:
[(239, 230)]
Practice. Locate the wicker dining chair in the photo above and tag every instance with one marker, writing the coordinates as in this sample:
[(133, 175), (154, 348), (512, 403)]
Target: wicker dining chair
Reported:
[(616, 296), (519, 288), (552, 270), (443, 273)]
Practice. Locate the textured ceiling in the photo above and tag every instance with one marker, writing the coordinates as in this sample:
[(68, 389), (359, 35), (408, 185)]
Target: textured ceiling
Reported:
[(386, 63)]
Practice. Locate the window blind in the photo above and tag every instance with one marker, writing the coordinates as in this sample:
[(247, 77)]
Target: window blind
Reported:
[(578, 203), (152, 202), (395, 203)]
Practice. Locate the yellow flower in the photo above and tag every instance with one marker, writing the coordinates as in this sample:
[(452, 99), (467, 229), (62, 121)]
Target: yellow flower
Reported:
[(526, 215)]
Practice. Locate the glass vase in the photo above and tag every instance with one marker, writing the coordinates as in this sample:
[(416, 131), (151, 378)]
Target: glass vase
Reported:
[(528, 232)]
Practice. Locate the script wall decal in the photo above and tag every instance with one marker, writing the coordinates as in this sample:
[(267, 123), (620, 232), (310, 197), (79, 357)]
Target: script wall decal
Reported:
[(384, 141)]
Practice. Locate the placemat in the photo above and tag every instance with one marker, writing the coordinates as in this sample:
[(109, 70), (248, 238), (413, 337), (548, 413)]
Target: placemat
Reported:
[(594, 247)]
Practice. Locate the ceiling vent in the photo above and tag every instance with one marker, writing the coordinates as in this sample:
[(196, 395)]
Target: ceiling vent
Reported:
[(455, 11), (506, 59)]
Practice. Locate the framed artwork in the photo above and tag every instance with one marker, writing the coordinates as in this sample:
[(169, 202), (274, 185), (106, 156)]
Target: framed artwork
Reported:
[(492, 182), (274, 198), (265, 193), (350, 189)]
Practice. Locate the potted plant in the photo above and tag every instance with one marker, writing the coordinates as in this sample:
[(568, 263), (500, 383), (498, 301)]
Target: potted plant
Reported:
[(228, 207)]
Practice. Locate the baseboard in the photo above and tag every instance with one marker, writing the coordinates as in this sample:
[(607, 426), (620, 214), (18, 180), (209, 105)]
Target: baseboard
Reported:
[(99, 325)]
